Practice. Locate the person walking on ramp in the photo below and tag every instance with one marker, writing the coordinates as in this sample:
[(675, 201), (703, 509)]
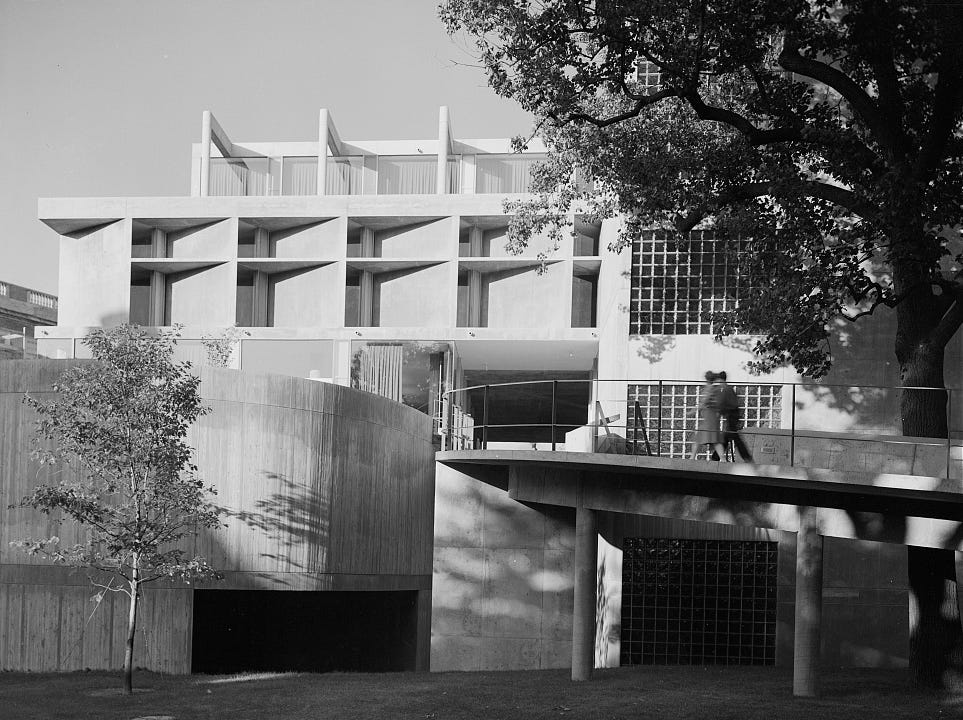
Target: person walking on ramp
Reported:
[(730, 407), (708, 431)]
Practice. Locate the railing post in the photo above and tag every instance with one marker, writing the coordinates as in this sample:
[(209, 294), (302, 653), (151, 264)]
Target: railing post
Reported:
[(485, 419), (792, 428), (658, 432), (554, 400)]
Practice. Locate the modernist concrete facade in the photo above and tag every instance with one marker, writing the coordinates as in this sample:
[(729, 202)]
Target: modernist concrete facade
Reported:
[(381, 265)]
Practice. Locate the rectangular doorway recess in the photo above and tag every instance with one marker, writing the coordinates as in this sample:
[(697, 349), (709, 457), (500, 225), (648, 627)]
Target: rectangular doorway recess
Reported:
[(698, 602), (303, 631)]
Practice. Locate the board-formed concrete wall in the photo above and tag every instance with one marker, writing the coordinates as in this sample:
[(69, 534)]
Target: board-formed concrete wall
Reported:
[(328, 488), (503, 580)]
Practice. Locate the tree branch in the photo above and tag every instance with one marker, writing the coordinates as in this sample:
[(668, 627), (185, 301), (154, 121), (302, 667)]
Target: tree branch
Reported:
[(636, 109), (861, 103), (952, 319), (824, 191), (755, 135)]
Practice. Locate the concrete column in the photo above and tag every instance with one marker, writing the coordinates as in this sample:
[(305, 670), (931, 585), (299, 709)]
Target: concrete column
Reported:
[(474, 298), (158, 243), (583, 618), (322, 151), (441, 185), (809, 603), (367, 299), (205, 152), (476, 242), (158, 281), (476, 248), (423, 631), (259, 315), (367, 279), (158, 298), (262, 243)]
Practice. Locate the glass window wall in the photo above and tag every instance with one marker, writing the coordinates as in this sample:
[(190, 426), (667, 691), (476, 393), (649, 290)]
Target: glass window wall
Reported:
[(343, 176), (504, 173), (242, 176), (407, 174), (298, 358), (299, 176), (412, 372)]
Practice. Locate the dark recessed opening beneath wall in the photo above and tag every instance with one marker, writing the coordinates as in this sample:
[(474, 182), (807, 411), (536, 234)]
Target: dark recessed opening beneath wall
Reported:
[(304, 631)]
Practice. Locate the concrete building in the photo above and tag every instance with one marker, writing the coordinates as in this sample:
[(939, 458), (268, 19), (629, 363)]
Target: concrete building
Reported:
[(22, 310), (381, 265)]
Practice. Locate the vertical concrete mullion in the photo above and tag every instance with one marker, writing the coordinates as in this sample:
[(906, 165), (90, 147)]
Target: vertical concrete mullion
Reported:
[(205, 153), (809, 599), (475, 249), (441, 184), (368, 243), (583, 619), (260, 311), (158, 281), (322, 151)]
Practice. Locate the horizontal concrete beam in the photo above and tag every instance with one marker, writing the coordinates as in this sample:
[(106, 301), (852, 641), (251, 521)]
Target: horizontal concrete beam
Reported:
[(898, 510)]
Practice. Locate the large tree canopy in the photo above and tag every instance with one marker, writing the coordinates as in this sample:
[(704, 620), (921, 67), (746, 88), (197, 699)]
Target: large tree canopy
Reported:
[(825, 135)]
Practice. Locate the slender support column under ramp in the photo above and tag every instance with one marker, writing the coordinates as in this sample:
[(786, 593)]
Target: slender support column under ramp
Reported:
[(809, 602), (583, 620)]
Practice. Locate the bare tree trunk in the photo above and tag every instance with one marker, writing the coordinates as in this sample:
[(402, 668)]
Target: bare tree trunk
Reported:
[(131, 627), (923, 414)]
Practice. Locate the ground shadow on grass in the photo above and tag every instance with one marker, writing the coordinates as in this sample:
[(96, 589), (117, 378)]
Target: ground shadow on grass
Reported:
[(654, 692)]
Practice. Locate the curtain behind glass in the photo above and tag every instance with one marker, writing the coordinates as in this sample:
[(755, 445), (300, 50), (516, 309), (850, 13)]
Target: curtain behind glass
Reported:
[(407, 174), (378, 370), (240, 176), (299, 176), (504, 173), (454, 175), (343, 176)]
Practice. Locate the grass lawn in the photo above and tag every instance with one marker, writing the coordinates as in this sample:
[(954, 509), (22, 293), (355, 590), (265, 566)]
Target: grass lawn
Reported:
[(718, 693)]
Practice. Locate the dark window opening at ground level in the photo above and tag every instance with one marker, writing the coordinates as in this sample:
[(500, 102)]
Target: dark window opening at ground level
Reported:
[(295, 631)]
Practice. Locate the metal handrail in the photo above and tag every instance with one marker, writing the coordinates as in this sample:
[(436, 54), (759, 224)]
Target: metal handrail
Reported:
[(554, 426)]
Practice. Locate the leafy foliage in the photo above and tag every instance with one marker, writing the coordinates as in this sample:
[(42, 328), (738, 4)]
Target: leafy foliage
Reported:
[(117, 433), (115, 439), (220, 347), (827, 135)]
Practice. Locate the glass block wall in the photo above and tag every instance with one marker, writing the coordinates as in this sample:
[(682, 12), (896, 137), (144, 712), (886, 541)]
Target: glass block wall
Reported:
[(698, 602), (671, 434), (676, 287)]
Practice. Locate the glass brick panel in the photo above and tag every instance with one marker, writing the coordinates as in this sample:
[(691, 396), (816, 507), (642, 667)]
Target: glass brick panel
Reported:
[(671, 434), (675, 290), (698, 602)]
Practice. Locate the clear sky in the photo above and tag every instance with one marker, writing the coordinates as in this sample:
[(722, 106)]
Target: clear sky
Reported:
[(103, 98)]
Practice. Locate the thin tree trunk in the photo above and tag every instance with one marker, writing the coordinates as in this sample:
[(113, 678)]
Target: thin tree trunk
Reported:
[(131, 627)]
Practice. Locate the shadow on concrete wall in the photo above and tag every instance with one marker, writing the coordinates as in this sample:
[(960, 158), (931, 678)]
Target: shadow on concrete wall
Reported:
[(295, 521), (502, 588), (651, 347)]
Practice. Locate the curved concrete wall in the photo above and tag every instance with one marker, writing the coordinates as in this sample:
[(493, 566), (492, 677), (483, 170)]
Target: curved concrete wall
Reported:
[(328, 488)]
